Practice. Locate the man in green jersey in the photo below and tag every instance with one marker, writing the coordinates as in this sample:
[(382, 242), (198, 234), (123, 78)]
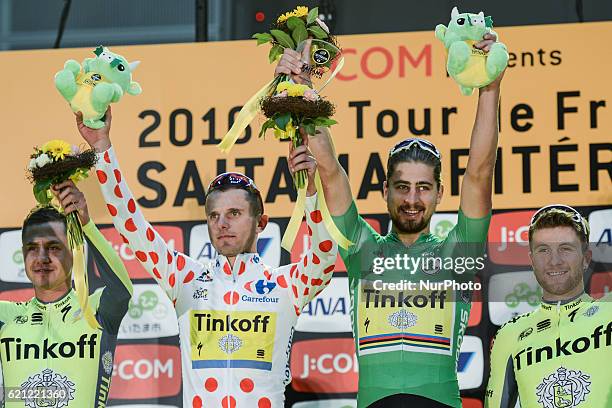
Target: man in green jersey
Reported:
[(50, 355), (557, 355), (408, 327)]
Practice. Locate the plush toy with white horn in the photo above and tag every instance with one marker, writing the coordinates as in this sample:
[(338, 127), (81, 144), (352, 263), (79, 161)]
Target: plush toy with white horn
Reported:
[(100, 81), (470, 67)]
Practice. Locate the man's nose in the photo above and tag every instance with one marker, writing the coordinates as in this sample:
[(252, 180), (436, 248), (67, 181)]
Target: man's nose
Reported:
[(411, 196)]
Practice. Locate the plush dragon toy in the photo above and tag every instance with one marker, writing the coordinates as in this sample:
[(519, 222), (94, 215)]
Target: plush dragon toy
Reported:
[(470, 67), (100, 81)]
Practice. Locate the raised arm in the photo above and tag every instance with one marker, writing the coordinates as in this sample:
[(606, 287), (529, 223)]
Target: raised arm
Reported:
[(111, 302), (313, 272), (169, 268), (476, 187)]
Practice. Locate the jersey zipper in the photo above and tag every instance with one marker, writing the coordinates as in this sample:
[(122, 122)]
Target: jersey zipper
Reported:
[(232, 309)]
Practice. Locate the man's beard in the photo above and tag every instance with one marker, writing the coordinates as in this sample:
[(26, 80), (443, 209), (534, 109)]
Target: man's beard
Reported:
[(408, 226)]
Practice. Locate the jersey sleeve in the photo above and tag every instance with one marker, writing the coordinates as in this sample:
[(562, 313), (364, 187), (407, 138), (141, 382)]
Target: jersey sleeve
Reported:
[(312, 273), (502, 389), (170, 269), (112, 304), (356, 229), (467, 240)]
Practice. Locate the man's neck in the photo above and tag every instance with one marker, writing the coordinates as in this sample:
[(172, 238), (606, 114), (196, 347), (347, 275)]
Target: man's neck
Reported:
[(50, 295), (564, 298), (409, 238)]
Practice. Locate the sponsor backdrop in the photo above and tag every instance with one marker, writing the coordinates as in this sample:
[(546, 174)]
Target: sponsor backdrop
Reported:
[(555, 146)]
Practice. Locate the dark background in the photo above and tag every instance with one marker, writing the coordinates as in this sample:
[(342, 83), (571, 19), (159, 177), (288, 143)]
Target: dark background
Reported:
[(30, 24)]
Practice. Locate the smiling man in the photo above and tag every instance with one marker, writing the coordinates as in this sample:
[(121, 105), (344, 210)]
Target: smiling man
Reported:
[(556, 355), (408, 338), (236, 315), (50, 355)]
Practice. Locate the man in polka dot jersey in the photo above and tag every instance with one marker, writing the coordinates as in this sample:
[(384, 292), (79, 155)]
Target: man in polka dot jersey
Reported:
[(235, 314)]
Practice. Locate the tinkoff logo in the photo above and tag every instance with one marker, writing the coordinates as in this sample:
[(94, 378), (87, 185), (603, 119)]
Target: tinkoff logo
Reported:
[(58, 390), (563, 389), (230, 343), (402, 319)]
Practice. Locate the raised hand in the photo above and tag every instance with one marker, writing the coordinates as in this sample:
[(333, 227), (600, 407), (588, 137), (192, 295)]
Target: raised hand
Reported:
[(98, 139), (71, 199)]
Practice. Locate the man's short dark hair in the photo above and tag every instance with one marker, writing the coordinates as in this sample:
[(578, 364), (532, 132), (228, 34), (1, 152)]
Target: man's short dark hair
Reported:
[(253, 199), (42, 215), (554, 218), (415, 155)]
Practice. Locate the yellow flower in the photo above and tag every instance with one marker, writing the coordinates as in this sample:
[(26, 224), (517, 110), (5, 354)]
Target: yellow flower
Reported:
[(79, 175), (283, 86), (297, 89), (300, 11), (57, 148)]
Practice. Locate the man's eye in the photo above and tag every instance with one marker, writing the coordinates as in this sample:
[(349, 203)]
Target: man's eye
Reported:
[(235, 212)]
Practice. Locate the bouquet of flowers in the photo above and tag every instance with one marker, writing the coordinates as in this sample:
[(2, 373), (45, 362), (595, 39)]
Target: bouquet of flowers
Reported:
[(290, 106), (53, 163)]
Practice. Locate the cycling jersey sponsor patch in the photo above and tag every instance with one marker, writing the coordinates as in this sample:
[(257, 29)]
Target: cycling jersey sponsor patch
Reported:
[(563, 389), (47, 389), (591, 311), (107, 362), (419, 321), (525, 333), (237, 340)]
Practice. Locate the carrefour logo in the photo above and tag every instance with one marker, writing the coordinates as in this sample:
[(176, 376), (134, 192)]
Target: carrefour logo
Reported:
[(260, 287), (263, 287)]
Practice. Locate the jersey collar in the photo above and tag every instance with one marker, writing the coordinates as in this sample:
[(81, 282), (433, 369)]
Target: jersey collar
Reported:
[(566, 306), (422, 238), (242, 263), (58, 304)]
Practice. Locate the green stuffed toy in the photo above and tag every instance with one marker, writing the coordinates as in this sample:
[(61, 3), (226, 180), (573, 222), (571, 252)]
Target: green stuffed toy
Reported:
[(101, 80), (470, 67)]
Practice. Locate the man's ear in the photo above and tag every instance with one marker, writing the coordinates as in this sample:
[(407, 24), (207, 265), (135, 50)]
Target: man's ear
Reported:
[(385, 190), (440, 193), (588, 255), (261, 224)]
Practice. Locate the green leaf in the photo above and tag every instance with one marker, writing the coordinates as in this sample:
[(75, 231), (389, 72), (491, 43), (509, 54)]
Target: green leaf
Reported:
[(294, 22), (299, 34), (312, 15), (263, 38), (268, 124), (322, 121), (310, 128), (283, 38), (41, 192), (318, 32), (282, 120), (275, 51)]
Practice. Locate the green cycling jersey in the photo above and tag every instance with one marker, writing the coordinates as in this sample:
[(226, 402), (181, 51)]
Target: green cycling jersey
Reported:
[(556, 356), (50, 355), (408, 322)]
